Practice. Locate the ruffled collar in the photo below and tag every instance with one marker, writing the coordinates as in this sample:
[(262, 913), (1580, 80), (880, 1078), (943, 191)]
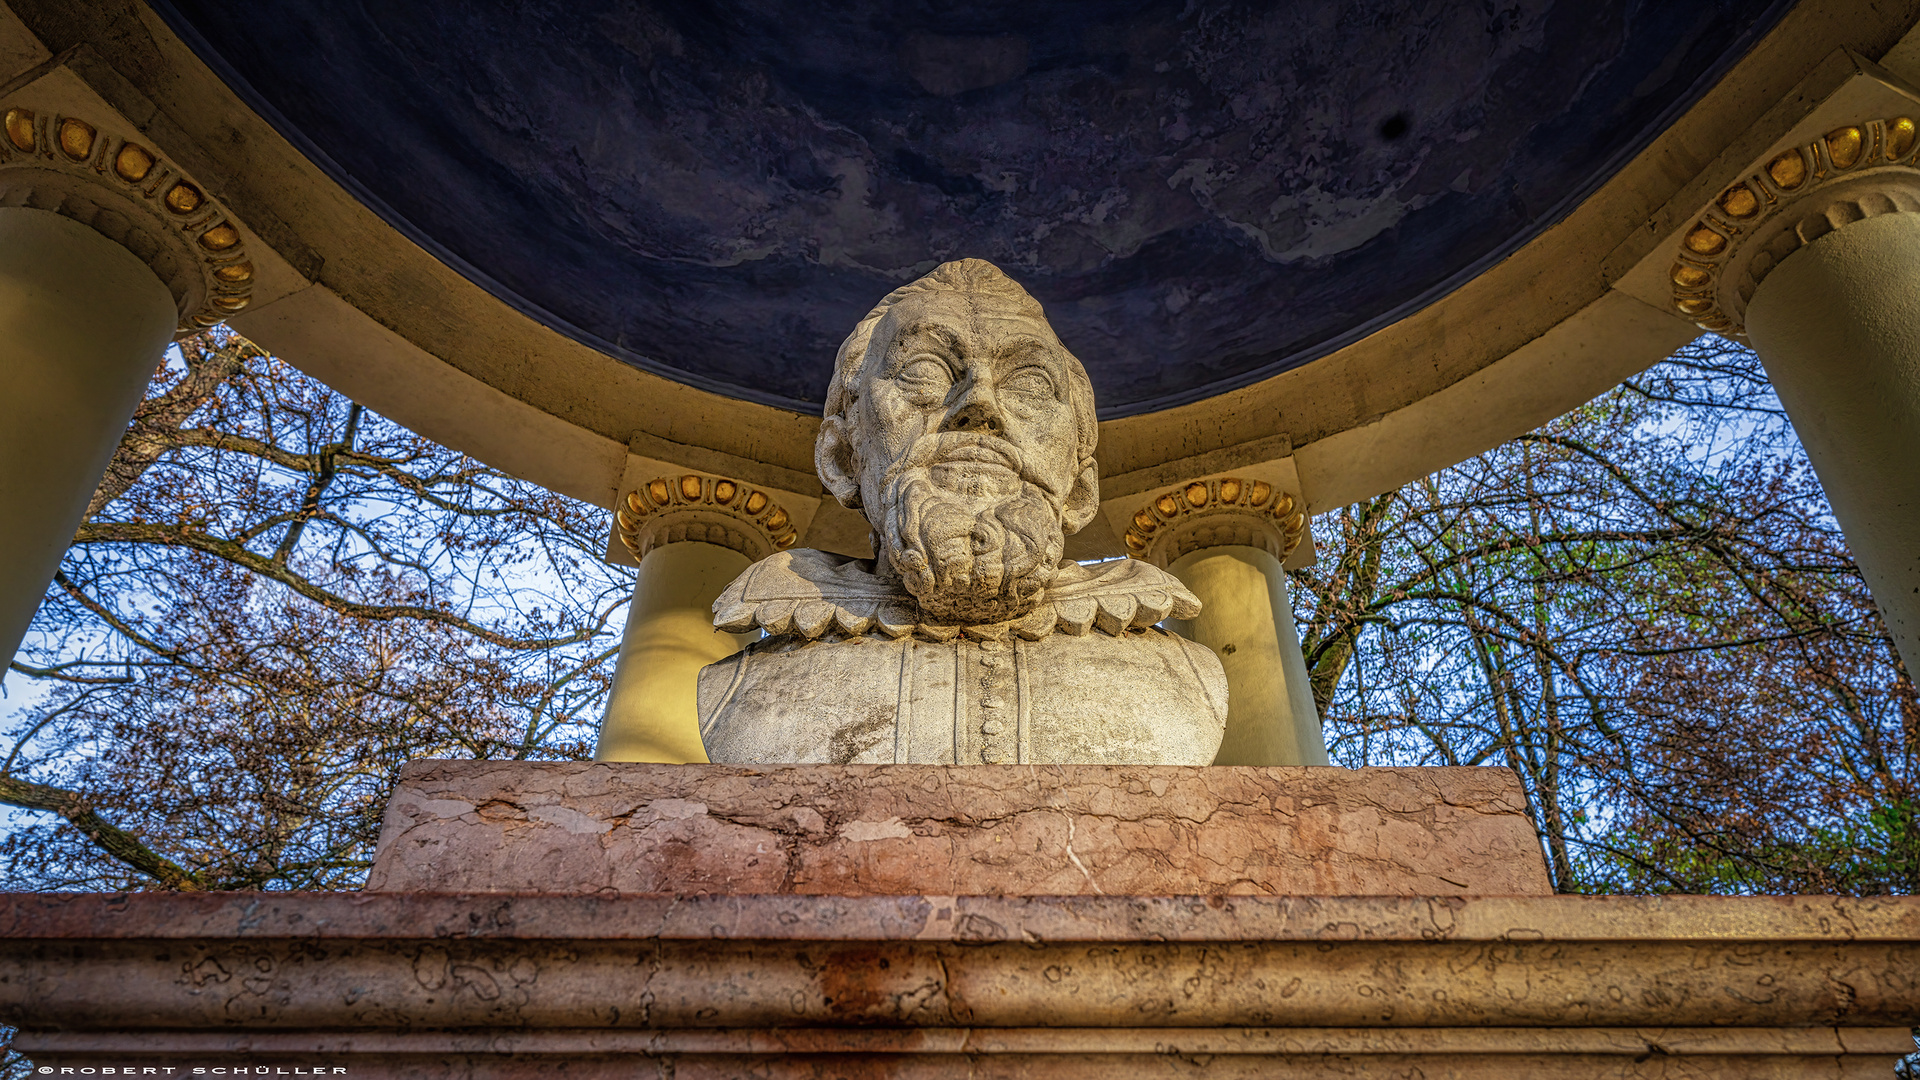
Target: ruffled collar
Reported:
[(814, 595)]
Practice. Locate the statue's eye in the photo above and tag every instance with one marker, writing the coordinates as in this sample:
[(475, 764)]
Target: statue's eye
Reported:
[(1030, 380), (926, 375)]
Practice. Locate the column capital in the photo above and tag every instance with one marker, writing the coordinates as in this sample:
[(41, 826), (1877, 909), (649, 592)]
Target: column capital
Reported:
[(704, 509), (122, 188), (1786, 200), (1214, 511)]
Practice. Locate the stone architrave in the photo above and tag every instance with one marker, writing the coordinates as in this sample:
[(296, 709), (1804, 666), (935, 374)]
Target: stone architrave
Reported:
[(965, 431)]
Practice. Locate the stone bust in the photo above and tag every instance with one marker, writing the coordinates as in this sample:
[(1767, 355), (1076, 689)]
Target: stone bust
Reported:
[(965, 431)]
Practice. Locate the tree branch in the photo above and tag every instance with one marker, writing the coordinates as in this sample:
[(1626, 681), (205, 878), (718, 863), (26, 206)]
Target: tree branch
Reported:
[(115, 841)]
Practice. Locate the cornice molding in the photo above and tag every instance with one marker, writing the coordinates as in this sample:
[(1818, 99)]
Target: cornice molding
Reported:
[(703, 509), (1853, 172), (1215, 512), (133, 195)]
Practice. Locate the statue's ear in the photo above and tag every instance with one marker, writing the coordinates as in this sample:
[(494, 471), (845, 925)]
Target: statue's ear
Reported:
[(1083, 502), (833, 460)]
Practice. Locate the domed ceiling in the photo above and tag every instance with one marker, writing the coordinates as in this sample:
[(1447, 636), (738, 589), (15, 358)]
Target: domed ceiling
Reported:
[(1202, 193)]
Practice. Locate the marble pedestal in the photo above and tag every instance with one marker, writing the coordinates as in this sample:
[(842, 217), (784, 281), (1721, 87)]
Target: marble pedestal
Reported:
[(709, 922), (893, 830)]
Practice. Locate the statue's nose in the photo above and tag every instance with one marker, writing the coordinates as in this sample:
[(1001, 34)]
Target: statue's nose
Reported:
[(977, 412)]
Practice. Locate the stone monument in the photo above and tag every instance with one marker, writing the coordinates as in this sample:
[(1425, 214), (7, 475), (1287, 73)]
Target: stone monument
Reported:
[(965, 431)]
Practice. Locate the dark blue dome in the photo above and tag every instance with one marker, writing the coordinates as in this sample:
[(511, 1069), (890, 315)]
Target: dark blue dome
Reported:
[(1202, 193)]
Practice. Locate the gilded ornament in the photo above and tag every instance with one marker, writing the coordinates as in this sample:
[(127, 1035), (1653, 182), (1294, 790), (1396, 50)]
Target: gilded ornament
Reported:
[(184, 198), (1900, 137), (1740, 202), (220, 237), (1788, 171), (1705, 241), (1708, 248), (132, 163), (76, 138), (1689, 277), (212, 281), (20, 128), (691, 507), (1843, 146), (1204, 513)]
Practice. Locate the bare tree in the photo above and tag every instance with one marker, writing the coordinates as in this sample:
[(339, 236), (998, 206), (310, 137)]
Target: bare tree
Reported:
[(276, 598), (1647, 611)]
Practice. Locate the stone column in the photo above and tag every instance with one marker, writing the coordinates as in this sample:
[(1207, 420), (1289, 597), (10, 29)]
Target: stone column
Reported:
[(1225, 538), (1816, 259), (87, 324), (106, 251), (692, 535)]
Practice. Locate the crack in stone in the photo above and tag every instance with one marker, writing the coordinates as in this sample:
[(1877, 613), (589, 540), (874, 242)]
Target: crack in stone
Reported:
[(1078, 865)]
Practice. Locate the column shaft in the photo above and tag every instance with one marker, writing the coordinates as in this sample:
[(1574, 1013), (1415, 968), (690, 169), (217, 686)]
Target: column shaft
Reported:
[(86, 324), (1837, 325), (651, 713), (1247, 620)]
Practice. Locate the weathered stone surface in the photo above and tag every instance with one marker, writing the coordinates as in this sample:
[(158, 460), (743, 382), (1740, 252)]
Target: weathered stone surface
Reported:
[(423, 985), (992, 830), (964, 430)]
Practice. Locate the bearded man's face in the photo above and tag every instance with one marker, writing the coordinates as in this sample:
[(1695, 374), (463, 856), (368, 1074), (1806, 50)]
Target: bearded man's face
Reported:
[(968, 449)]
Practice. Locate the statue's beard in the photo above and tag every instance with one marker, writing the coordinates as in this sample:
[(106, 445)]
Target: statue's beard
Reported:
[(974, 541)]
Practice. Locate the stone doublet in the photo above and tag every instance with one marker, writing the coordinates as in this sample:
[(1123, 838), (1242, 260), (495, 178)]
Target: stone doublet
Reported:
[(849, 675), (1143, 696)]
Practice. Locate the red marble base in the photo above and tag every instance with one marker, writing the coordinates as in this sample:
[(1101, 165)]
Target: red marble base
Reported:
[(997, 830)]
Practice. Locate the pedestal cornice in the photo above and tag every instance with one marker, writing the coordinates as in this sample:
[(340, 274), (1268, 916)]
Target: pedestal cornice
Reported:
[(928, 985)]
